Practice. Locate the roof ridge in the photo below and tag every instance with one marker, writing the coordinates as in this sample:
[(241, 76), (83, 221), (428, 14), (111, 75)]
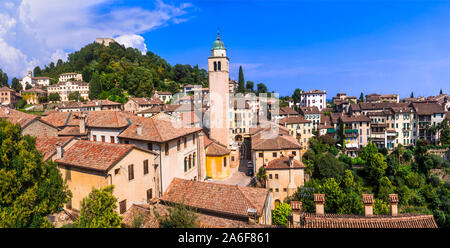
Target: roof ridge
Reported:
[(245, 197)]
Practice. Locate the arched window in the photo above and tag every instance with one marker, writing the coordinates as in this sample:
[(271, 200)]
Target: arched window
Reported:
[(215, 66), (277, 203), (193, 160), (190, 161), (219, 65), (185, 164)]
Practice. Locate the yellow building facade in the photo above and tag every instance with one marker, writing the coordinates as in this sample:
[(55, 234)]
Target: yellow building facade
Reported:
[(217, 160)]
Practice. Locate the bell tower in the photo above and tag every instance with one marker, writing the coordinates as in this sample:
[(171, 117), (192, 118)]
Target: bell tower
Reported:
[(218, 72)]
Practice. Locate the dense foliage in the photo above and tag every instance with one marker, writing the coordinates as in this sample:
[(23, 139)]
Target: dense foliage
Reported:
[(280, 214), (30, 189), (405, 172), (98, 210), (3, 78), (179, 216), (111, 69)]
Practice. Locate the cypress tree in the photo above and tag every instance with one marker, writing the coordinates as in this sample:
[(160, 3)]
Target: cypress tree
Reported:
[(241, 83)]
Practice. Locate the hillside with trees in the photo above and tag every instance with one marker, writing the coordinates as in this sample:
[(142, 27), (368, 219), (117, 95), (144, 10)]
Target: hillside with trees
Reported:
[(112, 69), (406, 172)]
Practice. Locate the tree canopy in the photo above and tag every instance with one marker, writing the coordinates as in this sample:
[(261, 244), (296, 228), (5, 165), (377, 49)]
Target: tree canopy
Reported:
[(116, 67), (99, 210), (30, 189)]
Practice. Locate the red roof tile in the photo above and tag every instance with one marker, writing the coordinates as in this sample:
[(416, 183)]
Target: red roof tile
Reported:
[(47, 145), (283, 163), (411, 220), (293, 120), (94, 155), (217, 198), (156, 130), (16, 117)]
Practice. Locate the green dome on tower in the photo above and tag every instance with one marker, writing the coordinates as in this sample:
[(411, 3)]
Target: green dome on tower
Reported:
[(218, 44)]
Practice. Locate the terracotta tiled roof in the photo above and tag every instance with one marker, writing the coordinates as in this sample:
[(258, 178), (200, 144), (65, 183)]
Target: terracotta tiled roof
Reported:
[(401, 109), (147, 101), (71, 82), (293, 120), (313, 92), (425, 108), (146, 210), (205, 220), (109, 119), (71, 131), (355, 118), (6, 89), (283, 163), (34, 90), (214, 148), (218, 198), (37, 78), (309, 110), (161, 108), (266, 127), (93, 155), (95, 103), (47, 145), (57, 119), (311, 220), (16, 117), (156, 130), (163, 93), (278, 142), (284, 111), (378, 105)]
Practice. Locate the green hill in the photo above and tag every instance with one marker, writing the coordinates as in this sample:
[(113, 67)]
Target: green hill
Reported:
[(114, 69)]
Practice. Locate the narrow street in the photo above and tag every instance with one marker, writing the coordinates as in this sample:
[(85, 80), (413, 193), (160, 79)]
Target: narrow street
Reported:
[(239, 176)]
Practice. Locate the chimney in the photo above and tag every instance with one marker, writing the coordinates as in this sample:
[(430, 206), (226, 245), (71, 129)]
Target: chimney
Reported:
[(251, 212), (292, 187), (368, 204), (83, 124), (59, 150), (319, 199), (393, 199), (291, 161), (296, 207), (139, 129)]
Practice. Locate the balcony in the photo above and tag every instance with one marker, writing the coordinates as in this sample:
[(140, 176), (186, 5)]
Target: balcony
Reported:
[(351, 133)]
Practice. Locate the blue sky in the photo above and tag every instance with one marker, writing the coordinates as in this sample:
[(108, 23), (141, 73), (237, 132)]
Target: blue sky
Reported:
[(341, 46)]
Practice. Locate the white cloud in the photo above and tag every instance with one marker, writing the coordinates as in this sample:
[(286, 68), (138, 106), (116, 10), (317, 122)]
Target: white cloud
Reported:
[(132, 40), (37, 32)]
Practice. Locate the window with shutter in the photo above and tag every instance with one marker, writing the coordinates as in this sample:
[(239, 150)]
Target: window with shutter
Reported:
[(149, 194), (130, 172), (145, 167), (113, 140), (123, 206)]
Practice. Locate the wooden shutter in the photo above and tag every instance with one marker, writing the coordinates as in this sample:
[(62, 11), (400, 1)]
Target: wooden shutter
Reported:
[(123, 206), (130, 172), (145, 167), (149, 194)]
